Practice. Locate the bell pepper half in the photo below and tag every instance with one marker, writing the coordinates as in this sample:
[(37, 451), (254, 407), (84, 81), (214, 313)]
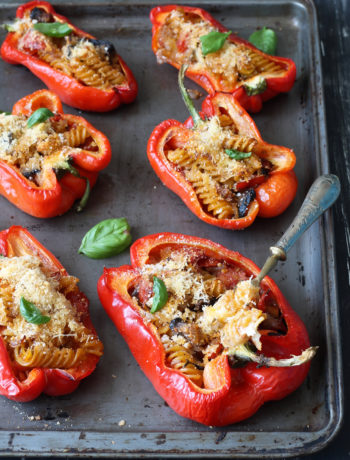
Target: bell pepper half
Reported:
[(268, 192), (276, 73), (229, 392), (70, 90), (22, 384), (80, 166)]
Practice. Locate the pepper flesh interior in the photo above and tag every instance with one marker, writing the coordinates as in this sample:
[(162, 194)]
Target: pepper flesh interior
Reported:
[(91, 62), (212, 309), (232, 65)]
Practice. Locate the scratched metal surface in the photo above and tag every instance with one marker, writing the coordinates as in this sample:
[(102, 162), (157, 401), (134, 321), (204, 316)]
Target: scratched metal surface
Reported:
[(86, 422)]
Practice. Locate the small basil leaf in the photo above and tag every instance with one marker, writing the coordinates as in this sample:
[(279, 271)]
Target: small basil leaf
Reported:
[(237, 155), (213, 41), (255, 86), (39, 116), (31, 313), (107, 238), (265, 40), (160, 295), (53, 29), (5, 113)]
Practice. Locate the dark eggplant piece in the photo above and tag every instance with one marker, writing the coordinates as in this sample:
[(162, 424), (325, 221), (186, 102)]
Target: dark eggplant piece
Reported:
[(40, 15), (244, 200)]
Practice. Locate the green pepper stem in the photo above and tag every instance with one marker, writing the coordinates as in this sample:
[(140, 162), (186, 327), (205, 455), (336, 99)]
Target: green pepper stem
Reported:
[(66, 166), (186, 98), (243, 352)]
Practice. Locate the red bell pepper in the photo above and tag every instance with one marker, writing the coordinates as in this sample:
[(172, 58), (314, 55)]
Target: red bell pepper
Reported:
[(274, 191), (214, 82), (228, 394), (55, 196), (69, 89), (25, 385)]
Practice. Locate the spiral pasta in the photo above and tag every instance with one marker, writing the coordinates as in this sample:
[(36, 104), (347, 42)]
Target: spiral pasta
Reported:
[(55, 60), (54, 357), (179, 358), (206, 191), (92, 62), (76, 136), (241, 143), (214, 287), (181, 157), (262, 63)]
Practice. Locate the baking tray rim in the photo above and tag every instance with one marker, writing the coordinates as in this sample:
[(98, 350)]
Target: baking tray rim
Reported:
[(306, 442)]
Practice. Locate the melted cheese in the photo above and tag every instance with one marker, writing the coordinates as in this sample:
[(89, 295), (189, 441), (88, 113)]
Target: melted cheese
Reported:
[(234, 316)]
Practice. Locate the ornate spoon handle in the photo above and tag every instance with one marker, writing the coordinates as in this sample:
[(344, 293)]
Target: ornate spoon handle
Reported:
[(322, 194)]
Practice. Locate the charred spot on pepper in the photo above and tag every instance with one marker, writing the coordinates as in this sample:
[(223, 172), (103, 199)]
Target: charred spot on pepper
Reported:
[(244, 200), (40, 15)]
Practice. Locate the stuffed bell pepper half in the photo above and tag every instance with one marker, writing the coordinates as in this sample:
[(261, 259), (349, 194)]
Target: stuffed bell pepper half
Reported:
[(48, 159), (214, 346), (85, 72), (47, 341)]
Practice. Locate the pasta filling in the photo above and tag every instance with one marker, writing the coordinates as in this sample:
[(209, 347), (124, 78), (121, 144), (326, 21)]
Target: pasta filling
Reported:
[(205, 162), (63, 342), (233, 65), (212, 309), (44, 146), (92, 62)]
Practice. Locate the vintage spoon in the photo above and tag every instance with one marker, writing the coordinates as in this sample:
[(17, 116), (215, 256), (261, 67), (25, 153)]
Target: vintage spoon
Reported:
[(322, 194)]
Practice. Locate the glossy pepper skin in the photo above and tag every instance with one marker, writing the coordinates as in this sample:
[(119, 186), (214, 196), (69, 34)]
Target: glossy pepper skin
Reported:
[(70, 90), (275, 84), (17, 241), (55, 196), (274, 192), (239, 392)]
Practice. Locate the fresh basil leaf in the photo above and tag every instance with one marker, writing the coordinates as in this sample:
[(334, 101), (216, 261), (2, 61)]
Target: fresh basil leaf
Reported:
[(237, 155), (39, 116), (107, 238), (31, 313), (5, 113), (255, 85), (53, 29), (160, 294), (213, 41), (265, 40)]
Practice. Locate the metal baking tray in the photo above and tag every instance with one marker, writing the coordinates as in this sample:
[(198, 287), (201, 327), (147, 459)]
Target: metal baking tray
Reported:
[(85, 423)]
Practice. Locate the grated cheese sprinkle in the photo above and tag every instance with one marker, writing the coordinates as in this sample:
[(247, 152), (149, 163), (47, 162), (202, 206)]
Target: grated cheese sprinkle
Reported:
[(27, 279)]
